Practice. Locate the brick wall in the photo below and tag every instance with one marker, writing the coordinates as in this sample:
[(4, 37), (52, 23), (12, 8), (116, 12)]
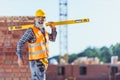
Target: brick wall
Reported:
[(9, 69), (83, 72)]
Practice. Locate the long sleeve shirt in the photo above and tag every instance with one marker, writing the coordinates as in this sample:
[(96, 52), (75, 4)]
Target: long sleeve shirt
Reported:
[(30, 37)]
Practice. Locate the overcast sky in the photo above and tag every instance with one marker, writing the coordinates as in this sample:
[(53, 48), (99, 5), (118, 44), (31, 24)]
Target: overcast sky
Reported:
[(102, 30)]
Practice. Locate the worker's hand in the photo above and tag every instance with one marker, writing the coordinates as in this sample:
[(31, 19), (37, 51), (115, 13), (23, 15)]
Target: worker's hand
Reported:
[(20, 62), (52, 25)]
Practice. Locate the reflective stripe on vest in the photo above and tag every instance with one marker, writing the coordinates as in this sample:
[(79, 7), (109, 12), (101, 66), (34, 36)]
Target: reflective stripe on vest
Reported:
[(38, 49)]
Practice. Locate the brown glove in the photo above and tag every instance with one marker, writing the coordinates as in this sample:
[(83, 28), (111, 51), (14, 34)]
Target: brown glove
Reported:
[(52, 25)]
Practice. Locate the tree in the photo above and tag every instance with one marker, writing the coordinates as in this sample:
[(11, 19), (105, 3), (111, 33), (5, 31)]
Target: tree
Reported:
[(91, 52), (116, 50), (106, 54), (72, 57)]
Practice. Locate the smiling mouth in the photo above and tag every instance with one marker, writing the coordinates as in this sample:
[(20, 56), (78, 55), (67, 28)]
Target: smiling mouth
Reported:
[(40, 22)]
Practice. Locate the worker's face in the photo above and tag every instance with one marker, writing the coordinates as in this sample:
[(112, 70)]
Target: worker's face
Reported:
[(39, 21)]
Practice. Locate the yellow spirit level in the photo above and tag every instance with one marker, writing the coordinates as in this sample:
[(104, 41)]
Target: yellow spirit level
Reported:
[(49, 23)]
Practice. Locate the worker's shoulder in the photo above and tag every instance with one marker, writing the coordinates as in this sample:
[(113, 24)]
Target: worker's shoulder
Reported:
[(29, 30)]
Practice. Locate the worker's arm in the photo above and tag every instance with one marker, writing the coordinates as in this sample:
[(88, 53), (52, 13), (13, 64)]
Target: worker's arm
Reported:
[(28, 35), (53, 34)]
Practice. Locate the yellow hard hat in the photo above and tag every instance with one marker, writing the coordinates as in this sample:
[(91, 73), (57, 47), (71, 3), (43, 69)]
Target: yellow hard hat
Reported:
[(40, 13)]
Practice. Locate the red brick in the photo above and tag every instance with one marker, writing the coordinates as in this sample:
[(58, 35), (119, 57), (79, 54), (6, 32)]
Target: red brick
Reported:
[(68, 70), (3, 28), (23, 74), (8, 57), (15, 57), (6, 66), (59, 78), (1, 75), (51, 75), (2, 40), (24, 78), (8, 70), (14, 67), (9, 36), (16, 36), (15, 62), (29, 78), (1, 57), (28, 74), (2, 78), (7, 74), (17, 74), (23, 70), (8, 62), (26, 62), (8, 78), (16, 78), (1, 70), (15, 70), (76, 71), (14, 42), (10, 49), (52, 68), (1, 62)]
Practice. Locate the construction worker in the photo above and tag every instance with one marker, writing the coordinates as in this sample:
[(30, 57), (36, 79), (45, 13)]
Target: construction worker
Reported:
[(37, 39)]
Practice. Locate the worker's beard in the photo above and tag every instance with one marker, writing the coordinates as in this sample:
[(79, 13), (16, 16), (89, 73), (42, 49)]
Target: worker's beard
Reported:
[(39, 25)]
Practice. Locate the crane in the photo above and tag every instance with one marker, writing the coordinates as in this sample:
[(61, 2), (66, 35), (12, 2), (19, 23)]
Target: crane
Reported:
[(63, 37)]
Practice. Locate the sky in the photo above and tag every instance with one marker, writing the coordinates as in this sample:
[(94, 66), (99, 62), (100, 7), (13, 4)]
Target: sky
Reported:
[(102, 30)]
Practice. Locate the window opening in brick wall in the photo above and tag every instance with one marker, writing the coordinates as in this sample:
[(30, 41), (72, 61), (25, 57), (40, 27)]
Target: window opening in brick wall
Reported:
[(61, 70), (83, 70)]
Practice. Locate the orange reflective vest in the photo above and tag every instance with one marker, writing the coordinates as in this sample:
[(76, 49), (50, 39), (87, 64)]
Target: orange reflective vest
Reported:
[(38, 49)]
